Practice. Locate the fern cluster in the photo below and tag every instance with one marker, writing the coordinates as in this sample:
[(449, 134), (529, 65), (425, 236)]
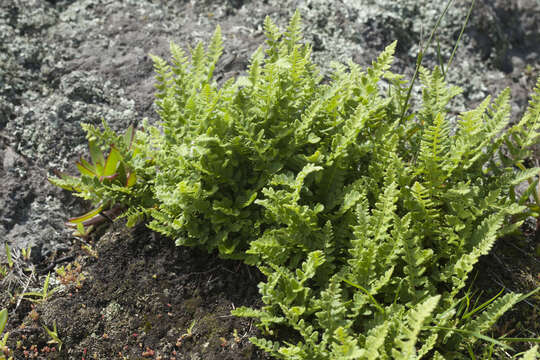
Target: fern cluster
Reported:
[(366, 223)]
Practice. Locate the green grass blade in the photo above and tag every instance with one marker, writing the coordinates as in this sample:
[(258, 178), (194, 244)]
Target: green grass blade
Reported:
[(472, 333), (481, 307), (81, 219), (377, 305), (420, 57), (459, 38), (3, 320), (111, 164)]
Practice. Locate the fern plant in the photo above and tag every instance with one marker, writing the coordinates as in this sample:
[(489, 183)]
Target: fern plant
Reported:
[(367, 223), (386, 219)]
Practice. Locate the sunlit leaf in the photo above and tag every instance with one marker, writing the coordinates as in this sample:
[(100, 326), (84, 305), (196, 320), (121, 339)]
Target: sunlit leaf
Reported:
[(112, 162), (129, 135), (131, 179), (97, 157), (81, 219), (85, 168)]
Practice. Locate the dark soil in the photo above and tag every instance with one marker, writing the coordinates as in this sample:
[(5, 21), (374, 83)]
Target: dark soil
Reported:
[(130, 294), (141, 295), (512, 266)]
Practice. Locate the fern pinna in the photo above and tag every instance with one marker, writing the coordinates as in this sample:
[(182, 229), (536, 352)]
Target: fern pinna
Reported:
[(365, 222)]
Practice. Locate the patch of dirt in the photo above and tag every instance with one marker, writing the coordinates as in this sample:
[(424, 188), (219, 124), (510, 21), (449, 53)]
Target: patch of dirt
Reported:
[(513, 266), (142, 297)]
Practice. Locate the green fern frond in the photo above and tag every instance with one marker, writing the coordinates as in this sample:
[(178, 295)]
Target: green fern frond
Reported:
[(383, 212), (426, 206), (362, 249), (333, 313), (168, 110), (199, 61), (179, 59), (293, 34), (333, 180), (215, 49), (300, 179), (496, 120), (492, 313), (531, 354), (471, 122), (469, 135), (435, 95), (162, 70), (273, 35), (483, 239), (346, 346), (266, 345), (530, 123), (254, 68), (434, 148), (373, 349), (428, 345), (498, 115), (309, 267), (527, 132), (298, 64), (524, 175), (415, 259), (411, 327), (384, 61)]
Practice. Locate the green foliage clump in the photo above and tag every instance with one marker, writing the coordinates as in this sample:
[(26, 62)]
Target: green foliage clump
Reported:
[(220, 147), (110, 182), (366, 222)]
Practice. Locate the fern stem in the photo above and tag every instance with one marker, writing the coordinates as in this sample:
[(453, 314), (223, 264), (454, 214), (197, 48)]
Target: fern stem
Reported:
[(365, 291)]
